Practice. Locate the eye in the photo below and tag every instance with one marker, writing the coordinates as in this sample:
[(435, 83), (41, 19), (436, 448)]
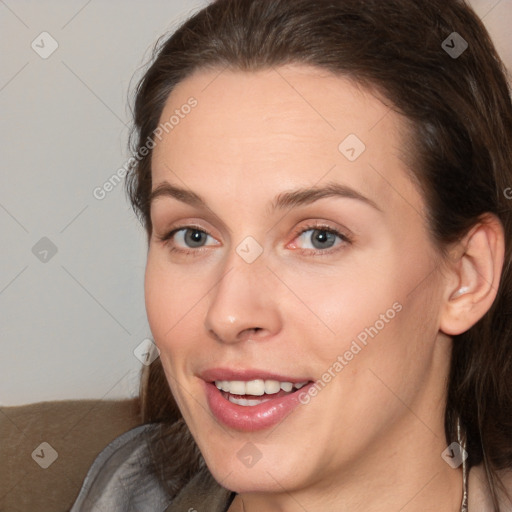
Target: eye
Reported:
[(191, 237), (313, 239), (186, 237), (320, 239)]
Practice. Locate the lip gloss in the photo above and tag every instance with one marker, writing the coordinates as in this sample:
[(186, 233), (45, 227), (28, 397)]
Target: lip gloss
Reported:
[(254, 417)]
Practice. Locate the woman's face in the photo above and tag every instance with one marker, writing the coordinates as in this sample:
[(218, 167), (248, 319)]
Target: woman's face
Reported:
[(300, 254)]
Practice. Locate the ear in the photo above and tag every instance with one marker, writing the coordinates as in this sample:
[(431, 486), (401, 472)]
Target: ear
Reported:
[(473, 276)]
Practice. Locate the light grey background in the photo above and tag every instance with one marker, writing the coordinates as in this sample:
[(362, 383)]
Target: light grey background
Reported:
[(69, 325)]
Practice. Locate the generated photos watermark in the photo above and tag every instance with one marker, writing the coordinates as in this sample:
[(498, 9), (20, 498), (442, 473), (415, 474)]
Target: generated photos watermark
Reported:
[(357, 345), (111, 183)]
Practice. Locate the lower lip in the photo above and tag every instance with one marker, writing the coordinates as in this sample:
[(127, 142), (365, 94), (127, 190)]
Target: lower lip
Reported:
[(254, 417)]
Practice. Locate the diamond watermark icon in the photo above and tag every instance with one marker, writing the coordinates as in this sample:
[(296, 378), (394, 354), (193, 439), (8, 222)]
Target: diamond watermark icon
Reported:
[(352, 147), (454, 45), (249, 249), (44, 45), (44, 250), (146, 351), (45, 455), (249, 455), (454, 455)]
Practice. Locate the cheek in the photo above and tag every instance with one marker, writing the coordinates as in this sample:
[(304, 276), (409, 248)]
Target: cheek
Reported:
[(340, 307), (168, 308), (373, 316), (159, 297), (171, 293), (172, 304)]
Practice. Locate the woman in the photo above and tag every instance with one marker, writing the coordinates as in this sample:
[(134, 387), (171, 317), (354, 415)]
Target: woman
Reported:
[(328, 280)]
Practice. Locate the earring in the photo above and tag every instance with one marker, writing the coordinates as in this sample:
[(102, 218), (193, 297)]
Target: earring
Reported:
[(461, 438), (460, 291)]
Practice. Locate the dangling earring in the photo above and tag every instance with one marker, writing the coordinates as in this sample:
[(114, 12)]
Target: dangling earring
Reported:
[(462, 442)]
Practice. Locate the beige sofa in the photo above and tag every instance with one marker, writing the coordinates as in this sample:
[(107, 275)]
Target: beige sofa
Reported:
[(75, 432)]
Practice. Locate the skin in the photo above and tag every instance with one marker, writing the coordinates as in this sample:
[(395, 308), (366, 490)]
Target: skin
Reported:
[(373, 436)]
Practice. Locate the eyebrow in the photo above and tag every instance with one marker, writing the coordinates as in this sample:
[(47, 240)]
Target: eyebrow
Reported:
[(289, 199)]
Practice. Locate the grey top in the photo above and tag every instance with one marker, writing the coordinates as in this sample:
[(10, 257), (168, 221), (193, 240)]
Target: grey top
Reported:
[(135, 473), (122, 478)]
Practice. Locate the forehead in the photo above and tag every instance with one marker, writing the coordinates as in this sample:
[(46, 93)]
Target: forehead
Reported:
[(275, 129)]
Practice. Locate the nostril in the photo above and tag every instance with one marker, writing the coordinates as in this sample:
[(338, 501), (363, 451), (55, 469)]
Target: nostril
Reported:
[(249, 332)]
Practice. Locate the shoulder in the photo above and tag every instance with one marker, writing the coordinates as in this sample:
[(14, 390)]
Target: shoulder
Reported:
[(151, 467), (120, 478), (479, 497)]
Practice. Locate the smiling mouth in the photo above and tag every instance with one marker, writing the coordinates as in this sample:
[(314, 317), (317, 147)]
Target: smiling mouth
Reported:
[(255, 392)]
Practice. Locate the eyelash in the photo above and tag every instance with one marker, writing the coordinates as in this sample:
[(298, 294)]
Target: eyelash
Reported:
[(345, 239)]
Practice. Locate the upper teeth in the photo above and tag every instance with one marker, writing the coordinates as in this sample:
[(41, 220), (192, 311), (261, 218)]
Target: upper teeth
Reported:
[(256, 387)]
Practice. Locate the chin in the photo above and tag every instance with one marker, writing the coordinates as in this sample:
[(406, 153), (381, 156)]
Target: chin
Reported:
[(258, 479), (241, 466)]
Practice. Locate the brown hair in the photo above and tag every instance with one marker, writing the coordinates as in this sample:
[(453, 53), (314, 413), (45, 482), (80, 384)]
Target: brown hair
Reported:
[(460, 114)]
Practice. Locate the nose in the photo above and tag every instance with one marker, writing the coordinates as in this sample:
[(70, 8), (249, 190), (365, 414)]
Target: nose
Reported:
[(244, 303)]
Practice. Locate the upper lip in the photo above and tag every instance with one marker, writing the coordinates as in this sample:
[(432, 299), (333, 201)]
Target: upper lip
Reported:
[(247, 374)]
